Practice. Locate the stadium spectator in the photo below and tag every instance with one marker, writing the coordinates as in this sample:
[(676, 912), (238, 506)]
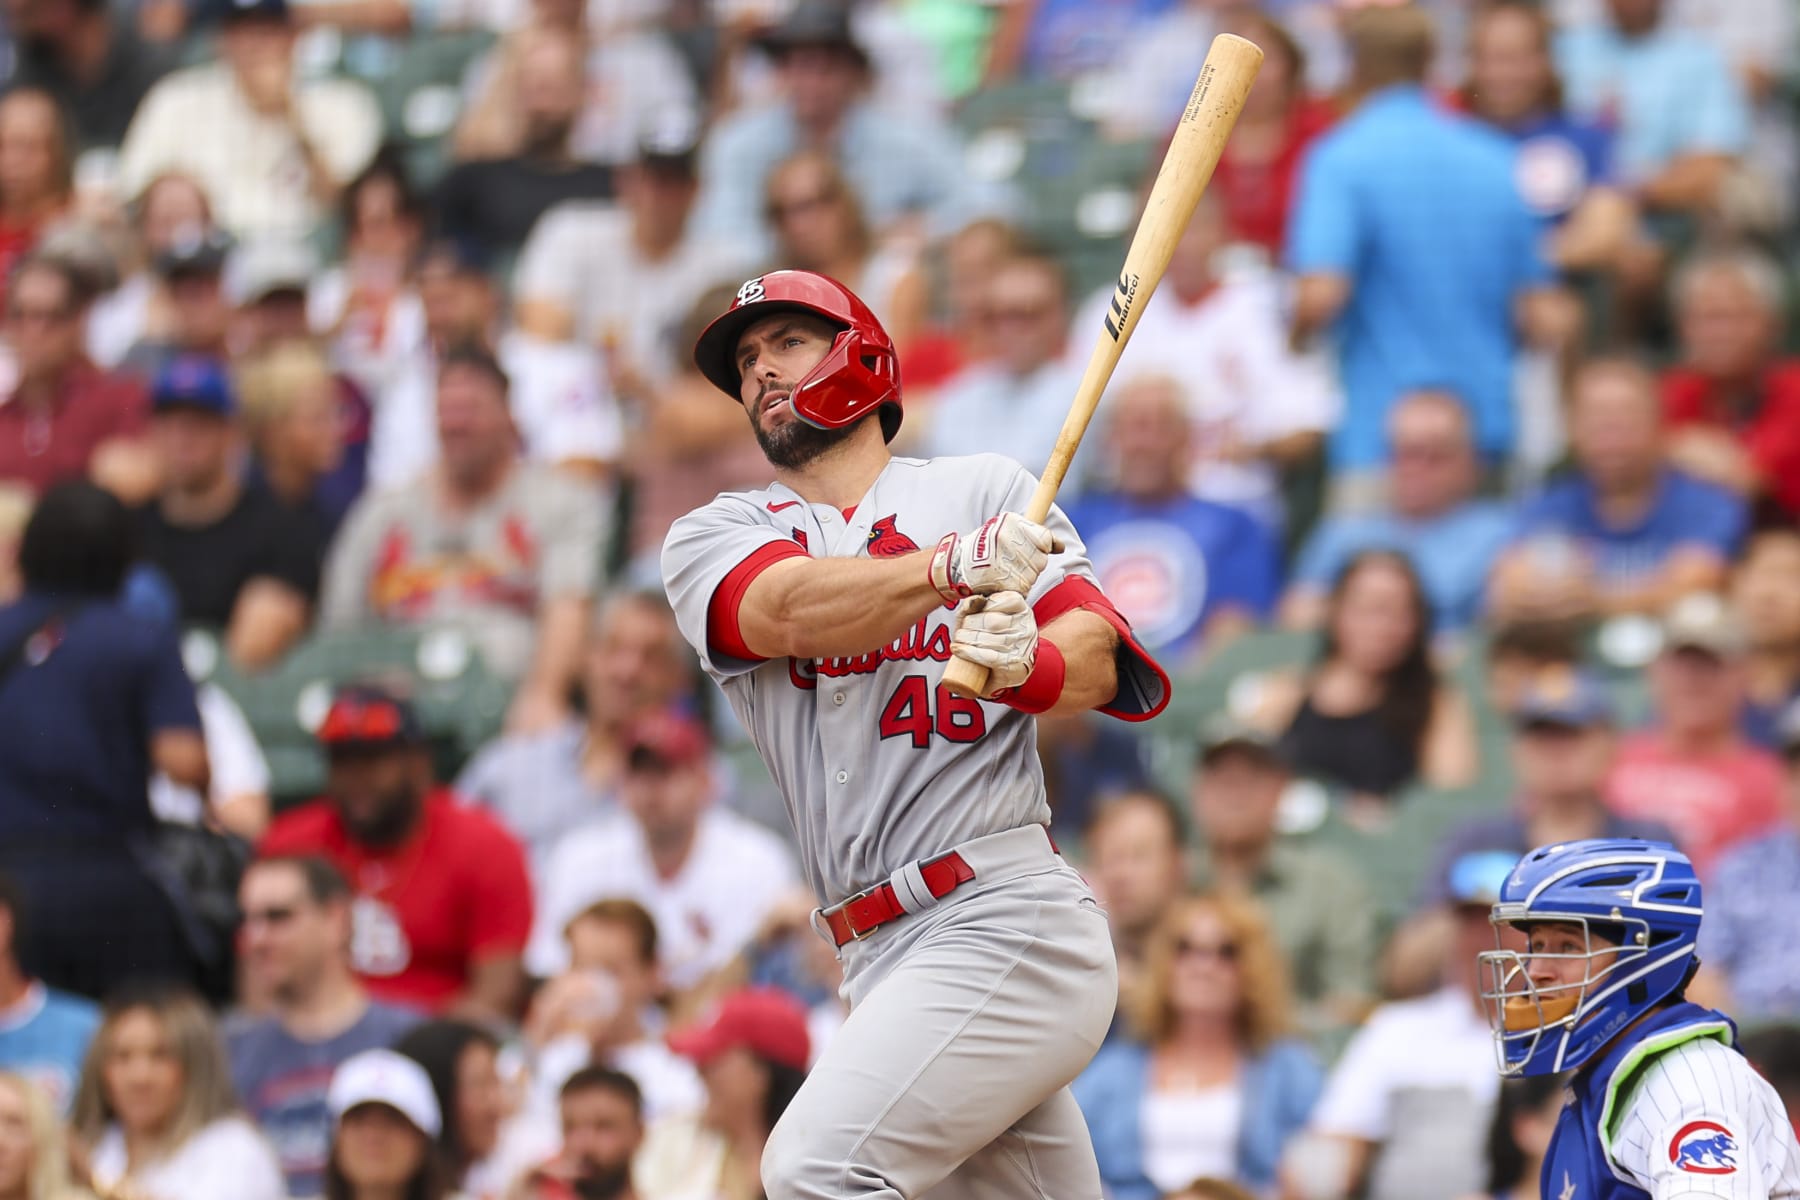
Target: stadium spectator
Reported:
[(1014, 402), (1681, 116), (708, 875), (495, 201), (1317, 905), (602, 1118), (818, 224), (505, 549), (1187, 573), (1210, 1081), (1563, 746), (1370, 238), (1519, 652), (1752, 897), (278, 147), (443, 902), (44, 1033), (89, 60), (190, 313), (1519, 1138), (239, 562), (80, 733), (1733, 402), (1693, 770), (542, 786), (1257, 409), (385, 1122), (752, 1054), (296, 957), (635, 78), (36, 171), (1765, 592), (959, 267), (1564, 166), (65, 418), (902, 164), (1135, 859), (1061, 39), (602, 1011), (1372, 714), (1085, 762), (34, 1155), (297, 428), (623, 276), (461, 1061), (172, 208), (1406, 1108), (155, 1109), (1624, 532), (1432, 513), (368, 304)]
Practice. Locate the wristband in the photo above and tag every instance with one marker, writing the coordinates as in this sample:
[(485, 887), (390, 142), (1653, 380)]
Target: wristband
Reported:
[(1043, 687), (939, 572)]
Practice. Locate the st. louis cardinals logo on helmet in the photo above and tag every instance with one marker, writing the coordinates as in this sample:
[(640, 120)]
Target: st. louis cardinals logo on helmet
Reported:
[(859, 375)]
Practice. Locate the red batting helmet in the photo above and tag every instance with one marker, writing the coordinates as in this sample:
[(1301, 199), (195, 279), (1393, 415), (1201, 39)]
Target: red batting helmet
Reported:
[(857, 376)]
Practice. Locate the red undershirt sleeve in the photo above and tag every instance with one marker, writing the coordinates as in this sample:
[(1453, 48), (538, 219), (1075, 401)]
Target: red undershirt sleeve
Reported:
[(724, 636)]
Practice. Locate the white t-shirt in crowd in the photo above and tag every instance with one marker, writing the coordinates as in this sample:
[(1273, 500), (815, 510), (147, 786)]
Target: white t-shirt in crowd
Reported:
[(1191, 1135), (735, 873), (237, 762), (1243, 384), (227, 1160)]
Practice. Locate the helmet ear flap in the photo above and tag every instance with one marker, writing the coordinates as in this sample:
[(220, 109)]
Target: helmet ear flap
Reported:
[(841, 389)]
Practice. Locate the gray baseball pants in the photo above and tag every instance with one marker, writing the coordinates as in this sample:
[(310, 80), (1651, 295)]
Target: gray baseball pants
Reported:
[(968, 1019)]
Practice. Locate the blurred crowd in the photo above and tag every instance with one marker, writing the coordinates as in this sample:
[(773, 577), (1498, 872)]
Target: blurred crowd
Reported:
[(366, 828)]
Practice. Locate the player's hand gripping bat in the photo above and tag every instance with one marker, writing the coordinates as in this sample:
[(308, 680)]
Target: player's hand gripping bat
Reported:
[(1225, 79)]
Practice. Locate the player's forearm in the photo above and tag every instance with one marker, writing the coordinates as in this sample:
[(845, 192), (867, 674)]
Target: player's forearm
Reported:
[(1090, 649), (831, 607)]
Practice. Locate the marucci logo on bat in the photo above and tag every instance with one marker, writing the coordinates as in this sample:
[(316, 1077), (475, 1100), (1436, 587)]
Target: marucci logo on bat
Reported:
[(1123, 298)]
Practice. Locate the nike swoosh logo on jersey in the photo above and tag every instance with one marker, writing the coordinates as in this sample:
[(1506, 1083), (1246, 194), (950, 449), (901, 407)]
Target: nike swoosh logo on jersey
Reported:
[(785, 504)]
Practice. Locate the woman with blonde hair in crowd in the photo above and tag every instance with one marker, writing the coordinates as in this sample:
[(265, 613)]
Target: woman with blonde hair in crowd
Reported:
[(1208, 1081), (295, 421), (156, 1112), (34, 1158)]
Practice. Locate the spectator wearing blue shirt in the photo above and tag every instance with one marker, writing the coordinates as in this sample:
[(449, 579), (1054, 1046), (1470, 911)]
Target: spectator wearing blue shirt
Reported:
[(1184, 571), (1564, 168), (44, 1033), (1681, 115), (899, 163), (1412, 243), (1624, 532), (1432, 515), (297, 928), (93, 700)]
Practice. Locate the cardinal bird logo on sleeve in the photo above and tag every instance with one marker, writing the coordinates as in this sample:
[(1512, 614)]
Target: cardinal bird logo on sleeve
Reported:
[(886, 542)]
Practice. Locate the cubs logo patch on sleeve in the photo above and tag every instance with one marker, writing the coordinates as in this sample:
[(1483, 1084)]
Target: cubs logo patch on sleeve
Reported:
[(1704, 1148)]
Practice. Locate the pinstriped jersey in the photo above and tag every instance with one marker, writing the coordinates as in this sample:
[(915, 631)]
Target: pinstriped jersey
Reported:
[(879, 765)]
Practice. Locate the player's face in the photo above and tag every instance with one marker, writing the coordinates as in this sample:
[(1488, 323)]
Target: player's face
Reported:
[(16, 1153), (378, 1148), (142, 1076), (773, 356), (601, 1133), (1555, 956)]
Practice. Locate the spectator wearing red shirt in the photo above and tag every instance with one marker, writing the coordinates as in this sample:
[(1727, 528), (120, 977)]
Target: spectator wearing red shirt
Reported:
[(1733, 403), (443, 903), (66, 418), (1694, 771)]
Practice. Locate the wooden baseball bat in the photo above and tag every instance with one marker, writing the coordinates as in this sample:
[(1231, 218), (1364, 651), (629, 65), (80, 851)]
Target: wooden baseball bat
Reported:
[(1218, 96)]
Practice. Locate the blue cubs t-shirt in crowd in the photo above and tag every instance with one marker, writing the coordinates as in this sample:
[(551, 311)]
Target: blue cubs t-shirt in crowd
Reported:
[(1559, 159), (1168, 566), (44, 1037), (1686, 512), (281, 1081), (1452, 554)]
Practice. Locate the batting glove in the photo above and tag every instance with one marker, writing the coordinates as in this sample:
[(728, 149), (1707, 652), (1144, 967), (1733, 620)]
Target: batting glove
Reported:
[(1001, 635), (1004, 554)]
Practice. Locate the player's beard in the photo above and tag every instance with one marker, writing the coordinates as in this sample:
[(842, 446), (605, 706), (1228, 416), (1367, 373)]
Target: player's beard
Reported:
[(794, 444), (602, 1183)]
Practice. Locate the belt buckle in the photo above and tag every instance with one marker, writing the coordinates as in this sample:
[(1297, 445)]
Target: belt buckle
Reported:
[(843, 906)]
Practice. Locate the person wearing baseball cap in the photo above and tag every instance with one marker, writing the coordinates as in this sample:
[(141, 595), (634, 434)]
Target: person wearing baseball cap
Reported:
[(443, 900), (385, 1123), (1693, 769), (752, 1052)]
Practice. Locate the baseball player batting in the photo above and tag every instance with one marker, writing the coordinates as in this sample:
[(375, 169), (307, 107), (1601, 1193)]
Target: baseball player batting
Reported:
[(977, 964), (1661, 1104)]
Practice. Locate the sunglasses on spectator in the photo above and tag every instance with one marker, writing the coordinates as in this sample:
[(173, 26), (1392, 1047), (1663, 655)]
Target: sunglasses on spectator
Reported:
[(270, 916), (1432, 452), (780, 210), (1223, 951), (40, 315)]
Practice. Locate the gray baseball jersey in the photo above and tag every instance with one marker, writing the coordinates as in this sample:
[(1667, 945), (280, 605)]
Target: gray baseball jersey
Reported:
[(878, 764)]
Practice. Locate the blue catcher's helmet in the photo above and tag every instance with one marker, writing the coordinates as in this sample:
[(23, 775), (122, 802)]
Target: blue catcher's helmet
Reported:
[(1610, 926)]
